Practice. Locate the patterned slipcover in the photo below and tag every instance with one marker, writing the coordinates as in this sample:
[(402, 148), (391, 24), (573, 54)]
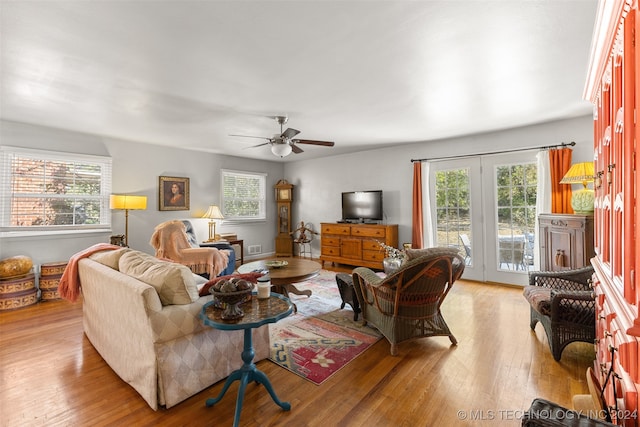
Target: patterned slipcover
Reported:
[(164, 352)]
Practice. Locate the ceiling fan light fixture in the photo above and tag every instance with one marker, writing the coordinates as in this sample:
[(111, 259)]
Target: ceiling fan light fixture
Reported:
[(281, 149), (283, 143)]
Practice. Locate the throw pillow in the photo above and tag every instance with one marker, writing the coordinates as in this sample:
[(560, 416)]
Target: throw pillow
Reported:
[(251, 277), (109, 258), (200, 281), (173, 282)]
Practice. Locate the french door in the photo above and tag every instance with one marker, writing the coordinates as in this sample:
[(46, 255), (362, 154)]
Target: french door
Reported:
[(485, 206)]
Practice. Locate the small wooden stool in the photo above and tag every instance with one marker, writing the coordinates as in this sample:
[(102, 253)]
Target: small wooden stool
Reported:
[(347, 293)]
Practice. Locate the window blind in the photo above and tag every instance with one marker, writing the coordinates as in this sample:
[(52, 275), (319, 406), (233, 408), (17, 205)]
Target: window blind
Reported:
[(243, 195), (52, 190)]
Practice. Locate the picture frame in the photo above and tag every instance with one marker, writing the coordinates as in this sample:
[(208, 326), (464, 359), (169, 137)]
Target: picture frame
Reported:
[(173, 193)]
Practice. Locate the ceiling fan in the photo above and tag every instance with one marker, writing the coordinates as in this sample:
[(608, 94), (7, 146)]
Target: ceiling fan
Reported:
[(283, 144)]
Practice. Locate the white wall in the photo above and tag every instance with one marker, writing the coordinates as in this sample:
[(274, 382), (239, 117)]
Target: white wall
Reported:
[(136, 170), (319, 183)]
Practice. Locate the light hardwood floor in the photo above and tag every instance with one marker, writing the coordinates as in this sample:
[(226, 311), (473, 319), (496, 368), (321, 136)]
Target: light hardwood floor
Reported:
[(51, 375)]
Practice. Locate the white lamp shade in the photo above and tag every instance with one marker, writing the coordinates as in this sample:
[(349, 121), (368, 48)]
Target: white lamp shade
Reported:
[(281, 149), (213, 213)]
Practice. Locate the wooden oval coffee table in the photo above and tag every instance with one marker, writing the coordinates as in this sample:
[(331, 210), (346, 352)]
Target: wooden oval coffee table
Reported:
[(282, 278)]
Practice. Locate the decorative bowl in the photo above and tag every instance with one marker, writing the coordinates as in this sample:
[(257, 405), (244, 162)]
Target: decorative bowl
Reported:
[(275, 263), (231, 302)]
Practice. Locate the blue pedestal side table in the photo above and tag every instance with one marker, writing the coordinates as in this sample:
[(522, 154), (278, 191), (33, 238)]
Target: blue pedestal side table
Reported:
[(257, 312)]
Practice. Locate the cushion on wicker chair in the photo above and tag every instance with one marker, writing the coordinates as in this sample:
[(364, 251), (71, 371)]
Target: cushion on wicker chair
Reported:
[(540, 298), (438, 250)]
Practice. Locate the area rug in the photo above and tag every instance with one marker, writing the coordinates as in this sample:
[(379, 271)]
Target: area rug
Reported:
[(320, 339)]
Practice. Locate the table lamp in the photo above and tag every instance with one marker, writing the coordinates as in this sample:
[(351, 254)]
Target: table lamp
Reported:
[(126, 203), (581, 200), (214, 214)]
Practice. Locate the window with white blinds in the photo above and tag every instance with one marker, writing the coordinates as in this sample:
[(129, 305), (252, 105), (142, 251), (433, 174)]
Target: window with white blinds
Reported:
[(44, 190), (243, 195)]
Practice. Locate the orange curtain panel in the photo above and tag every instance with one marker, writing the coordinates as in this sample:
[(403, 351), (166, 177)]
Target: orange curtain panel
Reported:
[(559, 164), (417, 228)]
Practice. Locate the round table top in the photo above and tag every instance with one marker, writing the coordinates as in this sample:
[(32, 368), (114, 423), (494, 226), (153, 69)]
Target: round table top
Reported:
[(297, 270), (257, 312)]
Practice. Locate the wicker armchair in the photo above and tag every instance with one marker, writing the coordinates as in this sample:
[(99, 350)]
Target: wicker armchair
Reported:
[(406, 304), (564, 302)]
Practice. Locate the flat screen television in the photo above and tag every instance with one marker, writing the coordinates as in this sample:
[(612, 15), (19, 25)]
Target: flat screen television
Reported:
[(362, 206)]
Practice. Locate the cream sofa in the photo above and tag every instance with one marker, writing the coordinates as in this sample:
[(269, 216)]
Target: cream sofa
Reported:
[(145, 324)]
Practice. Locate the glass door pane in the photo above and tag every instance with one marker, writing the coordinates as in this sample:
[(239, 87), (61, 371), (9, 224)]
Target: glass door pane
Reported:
[(516, 215), (457, 208), (453, 211), (510, 192)]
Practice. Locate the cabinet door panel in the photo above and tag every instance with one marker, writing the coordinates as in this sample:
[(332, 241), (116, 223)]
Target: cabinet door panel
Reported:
[(560, 251), (351, 248)]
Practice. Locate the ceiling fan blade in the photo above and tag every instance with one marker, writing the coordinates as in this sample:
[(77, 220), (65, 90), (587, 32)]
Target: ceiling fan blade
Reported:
[(296, 149), (312, 142), (290, 133), (249, 136), (259, 145)]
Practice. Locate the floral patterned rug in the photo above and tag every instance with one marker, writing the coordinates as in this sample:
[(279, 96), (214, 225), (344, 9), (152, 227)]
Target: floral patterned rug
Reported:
[(320, 338)]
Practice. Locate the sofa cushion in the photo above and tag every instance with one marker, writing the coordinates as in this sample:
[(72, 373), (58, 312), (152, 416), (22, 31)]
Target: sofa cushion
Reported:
[(109, 258), (173, 282)]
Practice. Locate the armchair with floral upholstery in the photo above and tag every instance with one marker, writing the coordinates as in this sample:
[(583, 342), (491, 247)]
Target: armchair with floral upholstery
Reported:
[(406, 304), (170, 241)]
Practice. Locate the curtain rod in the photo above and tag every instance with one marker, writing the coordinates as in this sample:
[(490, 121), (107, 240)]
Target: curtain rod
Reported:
[(570, 144)]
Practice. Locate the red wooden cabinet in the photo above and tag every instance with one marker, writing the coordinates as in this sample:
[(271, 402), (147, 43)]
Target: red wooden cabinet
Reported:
[(613, 86)]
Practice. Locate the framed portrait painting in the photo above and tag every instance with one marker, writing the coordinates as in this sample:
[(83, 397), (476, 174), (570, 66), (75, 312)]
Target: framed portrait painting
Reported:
[(174, 193)]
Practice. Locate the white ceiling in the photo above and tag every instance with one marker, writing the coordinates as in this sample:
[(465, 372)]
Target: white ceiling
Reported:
[(361, 73)]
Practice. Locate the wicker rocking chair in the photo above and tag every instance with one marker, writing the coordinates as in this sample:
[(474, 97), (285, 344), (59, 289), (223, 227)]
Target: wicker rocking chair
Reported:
[(406, 304), (564, 303)]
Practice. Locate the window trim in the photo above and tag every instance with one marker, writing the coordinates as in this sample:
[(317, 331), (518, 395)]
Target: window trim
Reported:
[(263, 215), (7, 153)]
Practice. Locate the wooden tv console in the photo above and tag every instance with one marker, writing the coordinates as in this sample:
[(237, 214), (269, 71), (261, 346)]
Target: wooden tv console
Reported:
[(356, 244)]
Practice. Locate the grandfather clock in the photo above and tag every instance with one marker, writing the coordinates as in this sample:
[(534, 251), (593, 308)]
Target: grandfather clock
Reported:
[(284, 242)]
